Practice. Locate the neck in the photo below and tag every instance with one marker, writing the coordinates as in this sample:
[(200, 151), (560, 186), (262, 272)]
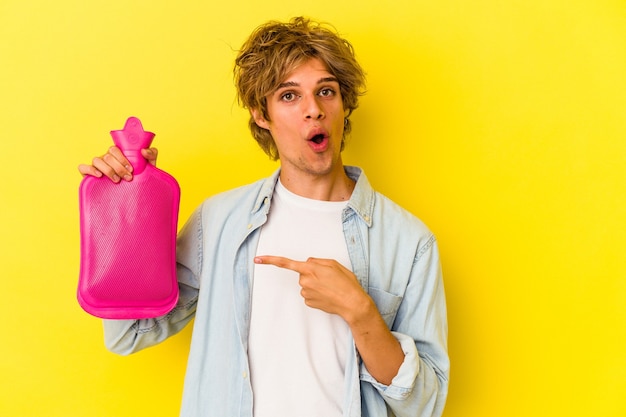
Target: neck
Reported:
[(334, 186)]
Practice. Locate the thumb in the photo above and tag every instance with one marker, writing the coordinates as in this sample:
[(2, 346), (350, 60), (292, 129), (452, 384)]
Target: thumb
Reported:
[(151, 155)]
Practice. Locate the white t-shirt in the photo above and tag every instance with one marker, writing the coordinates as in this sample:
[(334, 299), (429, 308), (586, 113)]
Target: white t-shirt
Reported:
[(297, 353)]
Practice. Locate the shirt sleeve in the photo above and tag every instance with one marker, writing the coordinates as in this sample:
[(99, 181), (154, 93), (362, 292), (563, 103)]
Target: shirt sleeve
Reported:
[(420, 387)]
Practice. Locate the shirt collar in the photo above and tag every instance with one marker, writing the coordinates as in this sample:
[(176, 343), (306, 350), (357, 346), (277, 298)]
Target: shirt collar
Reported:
[(361, 201)]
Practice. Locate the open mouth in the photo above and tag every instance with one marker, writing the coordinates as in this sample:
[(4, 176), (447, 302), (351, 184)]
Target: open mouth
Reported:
[(319, 138)]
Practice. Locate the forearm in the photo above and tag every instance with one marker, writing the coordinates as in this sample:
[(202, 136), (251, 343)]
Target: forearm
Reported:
[(128, 336), (419, 390), (380, 351)]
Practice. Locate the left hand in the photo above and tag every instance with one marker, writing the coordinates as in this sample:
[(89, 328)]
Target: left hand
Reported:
[(326, 285)]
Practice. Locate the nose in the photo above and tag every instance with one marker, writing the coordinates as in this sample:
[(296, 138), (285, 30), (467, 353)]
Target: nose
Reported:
[(312, 109)]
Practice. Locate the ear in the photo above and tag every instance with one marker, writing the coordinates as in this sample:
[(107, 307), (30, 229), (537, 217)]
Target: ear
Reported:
[(259, 119)]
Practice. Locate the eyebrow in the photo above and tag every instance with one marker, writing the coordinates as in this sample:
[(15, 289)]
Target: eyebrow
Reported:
[(295, 84)]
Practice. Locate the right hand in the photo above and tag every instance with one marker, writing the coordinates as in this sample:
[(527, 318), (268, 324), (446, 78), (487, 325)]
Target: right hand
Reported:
[(114, 164)]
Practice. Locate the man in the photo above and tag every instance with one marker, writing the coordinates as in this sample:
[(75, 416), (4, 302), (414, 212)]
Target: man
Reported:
[(313, 295)]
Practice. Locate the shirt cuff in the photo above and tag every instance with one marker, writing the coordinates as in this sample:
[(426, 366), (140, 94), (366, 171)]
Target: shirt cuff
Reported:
[(402, 384)]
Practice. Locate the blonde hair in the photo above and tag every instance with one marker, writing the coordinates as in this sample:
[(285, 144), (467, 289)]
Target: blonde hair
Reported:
[(275, 49)]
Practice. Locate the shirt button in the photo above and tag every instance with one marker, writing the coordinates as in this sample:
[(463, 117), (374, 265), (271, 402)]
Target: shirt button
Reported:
[(250, 226), (244, 374)]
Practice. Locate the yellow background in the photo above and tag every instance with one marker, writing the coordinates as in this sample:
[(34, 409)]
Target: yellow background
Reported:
[(500, 123)]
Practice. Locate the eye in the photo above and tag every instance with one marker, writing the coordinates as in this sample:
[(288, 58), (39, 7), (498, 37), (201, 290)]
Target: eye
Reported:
[(327, 92), (288, 96)]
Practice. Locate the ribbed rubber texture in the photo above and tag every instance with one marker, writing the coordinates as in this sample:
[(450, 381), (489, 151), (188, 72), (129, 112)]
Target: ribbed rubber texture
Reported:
[(128, 238)]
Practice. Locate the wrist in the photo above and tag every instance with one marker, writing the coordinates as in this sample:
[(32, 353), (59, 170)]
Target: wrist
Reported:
[(361, 313)]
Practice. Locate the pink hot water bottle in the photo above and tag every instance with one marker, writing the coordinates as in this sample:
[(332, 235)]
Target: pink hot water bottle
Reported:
[(128, 236)]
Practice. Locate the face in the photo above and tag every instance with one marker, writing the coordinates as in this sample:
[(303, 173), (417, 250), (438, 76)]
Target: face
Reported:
[(306, 120)]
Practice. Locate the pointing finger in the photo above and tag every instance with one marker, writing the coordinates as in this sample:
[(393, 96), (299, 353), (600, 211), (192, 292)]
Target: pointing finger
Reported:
[(280, 262)]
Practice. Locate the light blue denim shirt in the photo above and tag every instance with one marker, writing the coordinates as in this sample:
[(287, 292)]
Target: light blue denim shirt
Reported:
[(395, 258)]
